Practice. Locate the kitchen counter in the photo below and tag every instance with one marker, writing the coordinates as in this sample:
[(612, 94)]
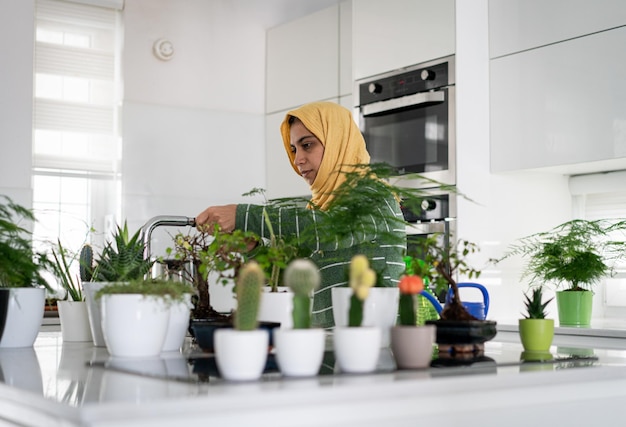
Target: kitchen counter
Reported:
[(68, 384)]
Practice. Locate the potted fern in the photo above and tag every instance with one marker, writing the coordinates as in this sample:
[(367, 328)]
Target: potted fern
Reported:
[(22, 285), (300, 350), (535, 329), (572, 257), (121, 260)]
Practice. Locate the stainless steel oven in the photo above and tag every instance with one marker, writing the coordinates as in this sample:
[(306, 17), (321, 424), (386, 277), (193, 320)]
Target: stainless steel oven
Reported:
[(407, 117)]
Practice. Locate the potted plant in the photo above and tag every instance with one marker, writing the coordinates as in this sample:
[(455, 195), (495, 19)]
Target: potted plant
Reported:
[(458, 331), (412, 345), (572, 257), (241, 351), (72, 308), (121, 260), (357, 347), (22, 286), (136, 314), (536, 331), (300, 350)]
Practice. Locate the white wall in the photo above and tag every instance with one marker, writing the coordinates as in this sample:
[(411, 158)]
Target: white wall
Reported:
[(16, 99), (193, 127), (505, 206)]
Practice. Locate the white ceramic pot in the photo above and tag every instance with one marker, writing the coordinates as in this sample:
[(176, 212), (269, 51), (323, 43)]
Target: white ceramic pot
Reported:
[(134, 325), (74, 321), (412, 346), (379, 309), (23, 318), (178, 324), (276, 307), (299, 352), (93, 311), (357, 349), (241, 355)]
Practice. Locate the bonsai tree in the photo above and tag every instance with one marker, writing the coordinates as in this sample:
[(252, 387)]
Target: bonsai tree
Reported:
[(20, 265), (439, 263), (204, 252), (575, 255)]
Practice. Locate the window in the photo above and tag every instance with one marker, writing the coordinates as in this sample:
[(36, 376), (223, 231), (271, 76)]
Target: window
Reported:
[(76, 137)]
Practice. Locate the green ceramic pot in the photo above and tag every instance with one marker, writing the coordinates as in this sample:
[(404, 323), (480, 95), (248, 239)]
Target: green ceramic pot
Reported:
[(536, 334), (574, 308)]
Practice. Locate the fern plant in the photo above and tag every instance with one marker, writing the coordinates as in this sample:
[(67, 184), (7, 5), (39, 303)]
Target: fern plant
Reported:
[(576, 254), (123, 259)]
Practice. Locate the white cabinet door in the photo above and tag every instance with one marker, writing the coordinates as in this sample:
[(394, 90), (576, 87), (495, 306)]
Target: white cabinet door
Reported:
[(281, 179), (392, 34), (562, 104), (303, 60), (517, 25)]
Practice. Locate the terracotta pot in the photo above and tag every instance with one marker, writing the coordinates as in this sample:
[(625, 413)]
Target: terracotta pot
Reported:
[(412, 346)]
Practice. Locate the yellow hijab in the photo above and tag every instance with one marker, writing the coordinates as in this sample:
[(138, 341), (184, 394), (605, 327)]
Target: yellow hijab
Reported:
[(343, 144)]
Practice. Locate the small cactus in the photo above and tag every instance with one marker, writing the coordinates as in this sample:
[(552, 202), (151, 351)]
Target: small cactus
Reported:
[(86, 263), (535, 307), (410, 285), (362, 278), (249, 286), (303, 277)]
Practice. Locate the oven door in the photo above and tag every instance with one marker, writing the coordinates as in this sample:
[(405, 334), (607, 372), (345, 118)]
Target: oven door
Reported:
[(414, 134)]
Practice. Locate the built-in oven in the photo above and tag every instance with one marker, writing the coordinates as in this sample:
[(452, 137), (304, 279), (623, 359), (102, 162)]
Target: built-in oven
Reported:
[(407, 117)]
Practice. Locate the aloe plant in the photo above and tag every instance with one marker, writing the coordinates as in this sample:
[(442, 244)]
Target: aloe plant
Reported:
[(123, 259), (535, 307)]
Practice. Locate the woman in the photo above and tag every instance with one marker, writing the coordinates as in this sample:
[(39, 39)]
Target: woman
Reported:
[(322, 139)]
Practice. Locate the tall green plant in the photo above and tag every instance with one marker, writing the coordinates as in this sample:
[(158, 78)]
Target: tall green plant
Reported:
[(62, 270), (576, 254), (20, 265)]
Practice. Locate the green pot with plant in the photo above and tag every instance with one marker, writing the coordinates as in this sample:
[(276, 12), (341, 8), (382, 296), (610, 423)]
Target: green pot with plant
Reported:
[(572, 257), (241, 351), (535, 329), (300, 350), (411, 344), (122, 259), (136, 314), (72, 308), (357, 347), (22, 285)]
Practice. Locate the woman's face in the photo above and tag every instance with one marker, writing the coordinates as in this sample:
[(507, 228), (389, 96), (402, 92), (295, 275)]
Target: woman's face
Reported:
[(308, 151)]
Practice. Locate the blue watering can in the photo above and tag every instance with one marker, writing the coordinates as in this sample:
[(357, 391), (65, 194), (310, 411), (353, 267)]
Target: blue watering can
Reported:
[(477, 309)]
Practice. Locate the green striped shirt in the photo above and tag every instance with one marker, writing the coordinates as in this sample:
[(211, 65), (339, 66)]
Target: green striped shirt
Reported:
[(333, 256)]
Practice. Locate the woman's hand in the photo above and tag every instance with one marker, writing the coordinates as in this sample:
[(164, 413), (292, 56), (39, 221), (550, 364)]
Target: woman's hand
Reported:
[(224, 216)]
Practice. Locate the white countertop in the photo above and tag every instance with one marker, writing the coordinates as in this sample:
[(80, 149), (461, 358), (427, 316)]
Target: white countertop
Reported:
[(52, 384)]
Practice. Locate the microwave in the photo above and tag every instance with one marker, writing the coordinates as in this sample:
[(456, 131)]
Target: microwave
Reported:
[(407, 118)]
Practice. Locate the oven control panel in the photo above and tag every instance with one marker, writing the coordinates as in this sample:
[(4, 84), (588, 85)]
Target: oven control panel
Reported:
[(404, 83)]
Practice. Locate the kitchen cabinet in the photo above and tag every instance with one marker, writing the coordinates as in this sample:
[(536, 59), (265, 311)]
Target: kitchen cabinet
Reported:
[(560, 105), (518, 25), (303, 60), (397, 33)]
